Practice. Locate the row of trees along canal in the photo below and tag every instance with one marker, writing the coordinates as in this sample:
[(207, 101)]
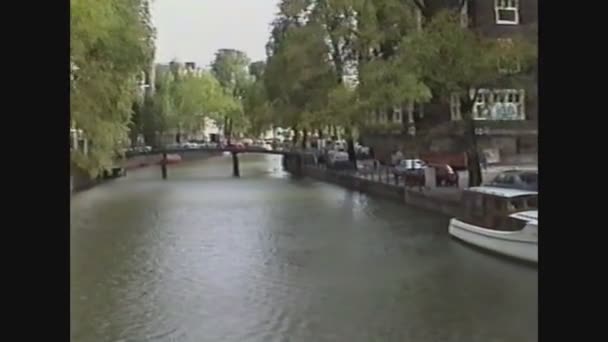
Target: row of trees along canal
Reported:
[(112, 49), (401, 51)]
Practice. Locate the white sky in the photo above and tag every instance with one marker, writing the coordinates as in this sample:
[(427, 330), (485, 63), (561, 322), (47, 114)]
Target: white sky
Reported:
[(193, 30)]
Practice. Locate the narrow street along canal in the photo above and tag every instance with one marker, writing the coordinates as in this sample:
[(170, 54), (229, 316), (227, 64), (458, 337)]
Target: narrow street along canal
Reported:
[(206, 257)]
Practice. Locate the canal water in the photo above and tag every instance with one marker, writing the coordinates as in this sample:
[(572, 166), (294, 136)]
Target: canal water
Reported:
[(205, 257)]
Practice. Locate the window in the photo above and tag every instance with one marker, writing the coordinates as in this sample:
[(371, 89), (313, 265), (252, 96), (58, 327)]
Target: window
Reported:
[(494, 104), (517, 205), (529, 178), (499, 104), (508, 64), (397, 114), (507, 12), (505, 179)]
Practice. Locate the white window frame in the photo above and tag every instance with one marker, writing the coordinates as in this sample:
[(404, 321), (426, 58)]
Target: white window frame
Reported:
[(490, 97), (506, 5), (397, 114), (485, 99), (507, 43)]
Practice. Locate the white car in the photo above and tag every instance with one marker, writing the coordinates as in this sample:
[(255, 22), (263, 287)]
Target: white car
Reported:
[(189, 145), (410, 164), (337, 156)]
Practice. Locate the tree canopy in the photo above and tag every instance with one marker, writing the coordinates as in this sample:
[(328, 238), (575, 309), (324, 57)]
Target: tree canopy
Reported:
[(111, 44)]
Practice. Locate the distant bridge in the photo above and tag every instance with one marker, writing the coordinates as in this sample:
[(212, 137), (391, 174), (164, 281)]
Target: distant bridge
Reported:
[(234, 151)]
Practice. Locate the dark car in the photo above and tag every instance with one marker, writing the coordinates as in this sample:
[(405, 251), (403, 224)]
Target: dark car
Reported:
[(517, 179)]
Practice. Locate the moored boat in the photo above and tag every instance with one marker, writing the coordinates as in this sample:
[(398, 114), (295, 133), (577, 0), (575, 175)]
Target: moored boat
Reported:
[(504, 221)]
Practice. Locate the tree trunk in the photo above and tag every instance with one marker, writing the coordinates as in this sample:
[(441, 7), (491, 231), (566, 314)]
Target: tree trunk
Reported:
[(226, 127), (229, 131), (350, 147), (474, 169), (296, 136), (304, 138)]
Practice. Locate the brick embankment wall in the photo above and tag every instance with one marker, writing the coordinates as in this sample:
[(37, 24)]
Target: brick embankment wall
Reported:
[(354, 183), (445, 201)]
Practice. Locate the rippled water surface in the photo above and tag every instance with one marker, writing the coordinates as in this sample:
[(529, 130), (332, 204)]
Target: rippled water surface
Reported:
[(205, 257)]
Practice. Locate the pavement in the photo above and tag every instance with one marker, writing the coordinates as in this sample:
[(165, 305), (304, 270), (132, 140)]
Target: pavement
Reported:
[(488, 174)]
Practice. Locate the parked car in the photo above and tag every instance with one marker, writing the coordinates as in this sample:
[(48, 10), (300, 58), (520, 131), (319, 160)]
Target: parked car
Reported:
[(408, 165), (414, 172), (338, 160), (139, 149), (516, 179), (189, 145)]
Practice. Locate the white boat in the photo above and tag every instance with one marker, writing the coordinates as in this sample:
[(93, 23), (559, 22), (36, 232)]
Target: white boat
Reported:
[(501, 220)]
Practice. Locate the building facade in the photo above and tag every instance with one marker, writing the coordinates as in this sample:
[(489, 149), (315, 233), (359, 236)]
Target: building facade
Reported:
[(506, 116)]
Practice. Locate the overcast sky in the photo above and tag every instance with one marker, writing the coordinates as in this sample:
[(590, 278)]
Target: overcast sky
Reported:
[(193, 30)]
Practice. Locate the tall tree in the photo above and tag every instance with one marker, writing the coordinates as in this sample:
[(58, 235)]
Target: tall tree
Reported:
[(111, 44), (256, 69), (230, 67), (299, 75)]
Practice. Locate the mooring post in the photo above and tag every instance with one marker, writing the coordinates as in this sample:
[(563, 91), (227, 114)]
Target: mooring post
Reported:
[(163, 165), (235, 165)]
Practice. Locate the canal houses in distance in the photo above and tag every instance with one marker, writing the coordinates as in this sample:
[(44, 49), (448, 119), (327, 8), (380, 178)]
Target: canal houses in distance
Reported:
[(507, 117)]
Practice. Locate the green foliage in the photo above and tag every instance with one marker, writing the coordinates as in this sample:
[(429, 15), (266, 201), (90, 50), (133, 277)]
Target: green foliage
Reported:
[(257, 109), (451, 59), (388, 82), (256, 69), (111, 44), (182, 101), (299, 75), (230, 67)]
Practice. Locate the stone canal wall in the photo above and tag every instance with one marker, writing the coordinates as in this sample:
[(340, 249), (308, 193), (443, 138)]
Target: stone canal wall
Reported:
[(354, 183), (445, 201), (80, 180)]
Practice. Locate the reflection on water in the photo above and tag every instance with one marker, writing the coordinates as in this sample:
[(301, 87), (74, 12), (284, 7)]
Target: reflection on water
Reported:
[(206, 257)]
